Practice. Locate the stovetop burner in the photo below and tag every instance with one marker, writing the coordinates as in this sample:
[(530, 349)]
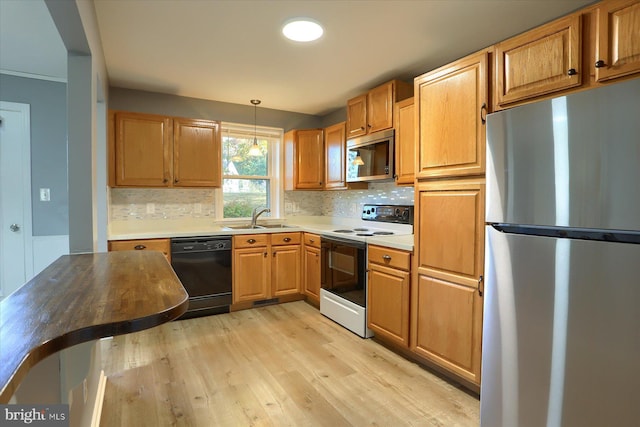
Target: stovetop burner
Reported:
[(365, 232)]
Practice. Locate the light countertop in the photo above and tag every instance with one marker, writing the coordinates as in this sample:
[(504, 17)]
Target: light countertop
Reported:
[(194, 227)]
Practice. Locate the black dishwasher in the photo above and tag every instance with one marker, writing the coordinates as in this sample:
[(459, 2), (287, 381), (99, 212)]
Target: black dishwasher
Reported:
[(203, 265)]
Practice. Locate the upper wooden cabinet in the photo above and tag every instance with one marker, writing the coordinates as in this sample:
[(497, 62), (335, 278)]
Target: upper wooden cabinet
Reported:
[(335, 147), (618, 39), (405, 142), (304, 159), (148, 150), (196, 147), (546, 59), (452, 104), (373, 111)]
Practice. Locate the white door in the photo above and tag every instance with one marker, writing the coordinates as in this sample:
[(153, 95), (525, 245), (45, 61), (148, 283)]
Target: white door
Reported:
[(15, 196)]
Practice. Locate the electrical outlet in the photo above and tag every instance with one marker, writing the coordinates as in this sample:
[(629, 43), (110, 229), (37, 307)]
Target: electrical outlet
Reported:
[(45, 194), (197, 208), (288, 207), (151, 208)]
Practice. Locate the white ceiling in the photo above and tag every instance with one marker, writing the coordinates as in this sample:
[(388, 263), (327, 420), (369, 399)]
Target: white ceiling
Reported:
[(233, 51)]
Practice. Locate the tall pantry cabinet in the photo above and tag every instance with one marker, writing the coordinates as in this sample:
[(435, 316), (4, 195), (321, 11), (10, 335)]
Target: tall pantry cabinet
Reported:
[(446, 299)]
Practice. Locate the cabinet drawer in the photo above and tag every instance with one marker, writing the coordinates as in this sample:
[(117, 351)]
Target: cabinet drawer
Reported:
[(312, 240), (162, 245), (390, 257), (250, 240), (285, 239)]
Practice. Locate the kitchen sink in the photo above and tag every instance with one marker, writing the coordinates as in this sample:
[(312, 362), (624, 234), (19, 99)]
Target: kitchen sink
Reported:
[(255, 227)]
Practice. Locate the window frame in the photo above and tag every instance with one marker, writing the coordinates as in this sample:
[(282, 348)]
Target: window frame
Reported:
[(274, 137)]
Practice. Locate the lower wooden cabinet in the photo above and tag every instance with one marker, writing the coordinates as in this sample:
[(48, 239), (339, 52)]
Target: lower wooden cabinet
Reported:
[(447, 326), (286, 270), (266, 266), (162, 245), (446, 293), (388, 294), (312, 269)]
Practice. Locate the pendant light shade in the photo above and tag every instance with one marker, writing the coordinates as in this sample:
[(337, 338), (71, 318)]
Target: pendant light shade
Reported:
[(358, 160), (255, 149)]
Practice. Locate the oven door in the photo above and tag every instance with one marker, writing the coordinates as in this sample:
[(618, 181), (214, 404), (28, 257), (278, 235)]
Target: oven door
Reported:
[(343, 265)]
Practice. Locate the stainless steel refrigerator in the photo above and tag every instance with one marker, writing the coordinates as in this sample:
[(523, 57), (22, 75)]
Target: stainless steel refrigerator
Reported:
[(561, 334)]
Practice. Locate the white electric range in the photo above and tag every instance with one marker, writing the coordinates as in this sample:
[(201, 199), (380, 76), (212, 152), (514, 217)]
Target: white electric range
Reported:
[(343, 293)]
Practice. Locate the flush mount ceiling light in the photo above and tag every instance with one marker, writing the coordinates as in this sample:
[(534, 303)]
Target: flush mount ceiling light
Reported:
[(302, 30)]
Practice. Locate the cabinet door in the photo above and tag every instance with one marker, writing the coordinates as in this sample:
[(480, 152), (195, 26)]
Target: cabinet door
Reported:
[(447, 325), (451, 131), (618, 39), (310, 159), (196, 153), (446, 305), (450, 230), (142, 148), (286, 270), (388, 303), (541, 61), (357, 116), (334, 141), (251, 274), (405, 141), (312, 274), (380, 107)]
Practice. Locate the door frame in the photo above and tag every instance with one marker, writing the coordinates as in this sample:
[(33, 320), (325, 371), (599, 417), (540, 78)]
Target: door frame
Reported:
[(25, 110)]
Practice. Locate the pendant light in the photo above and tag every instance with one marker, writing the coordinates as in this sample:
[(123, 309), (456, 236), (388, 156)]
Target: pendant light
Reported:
[(255, 149), (358, 160)]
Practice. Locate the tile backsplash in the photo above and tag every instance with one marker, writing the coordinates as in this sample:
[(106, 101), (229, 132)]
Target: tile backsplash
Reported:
[(161, 203), (345, 203), (139, 203)]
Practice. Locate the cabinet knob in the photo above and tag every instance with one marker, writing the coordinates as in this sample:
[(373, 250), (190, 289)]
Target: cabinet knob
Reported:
[(572, 72), (175, 180), (265, 254), (139, 247), (287, 239), (386, 257), (251, 241), (311, 241), (274, 254), (600, 63), (361, 127), (165, 180)]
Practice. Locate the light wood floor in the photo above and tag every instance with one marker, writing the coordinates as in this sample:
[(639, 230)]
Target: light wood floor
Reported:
[(281, 365)]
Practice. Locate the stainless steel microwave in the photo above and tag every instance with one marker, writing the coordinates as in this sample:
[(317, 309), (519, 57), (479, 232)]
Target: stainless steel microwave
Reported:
[(370, 157)]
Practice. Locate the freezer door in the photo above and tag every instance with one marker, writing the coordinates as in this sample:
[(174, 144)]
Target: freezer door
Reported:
[(569, 161), (561, 334)]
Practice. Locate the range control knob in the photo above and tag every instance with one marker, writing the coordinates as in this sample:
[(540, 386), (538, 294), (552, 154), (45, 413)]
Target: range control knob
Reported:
[(397, 211)]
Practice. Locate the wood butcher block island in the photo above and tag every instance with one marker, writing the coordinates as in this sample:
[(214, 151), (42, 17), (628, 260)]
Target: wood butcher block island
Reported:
[(80, 298)]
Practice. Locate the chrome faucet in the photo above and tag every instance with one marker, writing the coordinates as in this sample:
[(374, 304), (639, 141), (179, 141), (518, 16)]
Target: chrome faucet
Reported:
[(254, 215)]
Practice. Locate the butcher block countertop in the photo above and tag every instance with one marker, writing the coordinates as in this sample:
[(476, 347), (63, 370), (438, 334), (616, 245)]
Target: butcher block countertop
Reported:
[(80, 298)]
